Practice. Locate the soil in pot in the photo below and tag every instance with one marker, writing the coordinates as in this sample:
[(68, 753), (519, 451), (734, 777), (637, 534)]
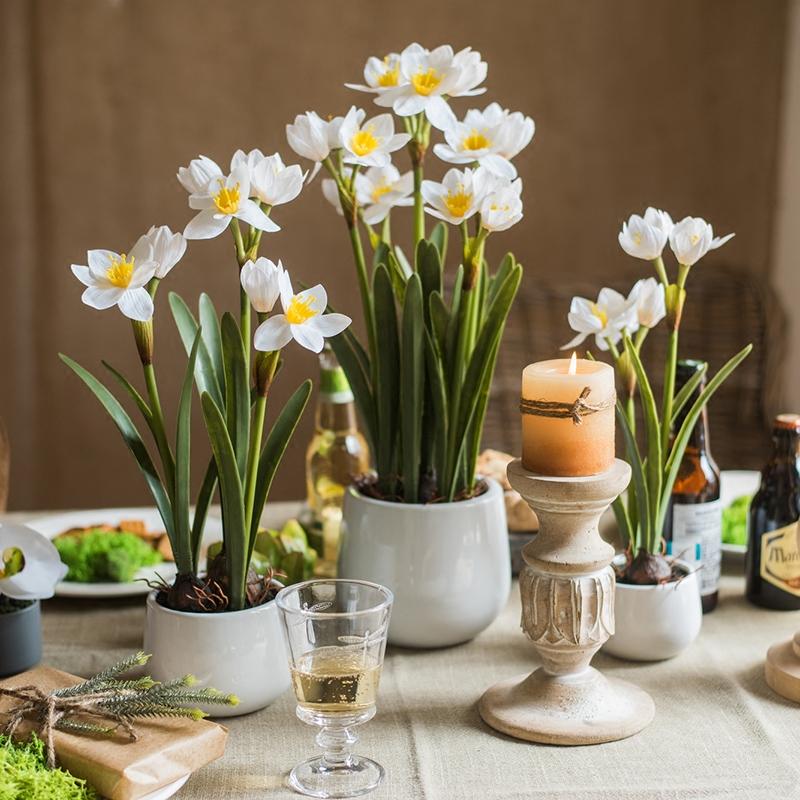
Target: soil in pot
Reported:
[(373, 487)]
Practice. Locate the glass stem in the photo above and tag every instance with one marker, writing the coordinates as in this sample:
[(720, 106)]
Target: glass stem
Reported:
[(337, 746)]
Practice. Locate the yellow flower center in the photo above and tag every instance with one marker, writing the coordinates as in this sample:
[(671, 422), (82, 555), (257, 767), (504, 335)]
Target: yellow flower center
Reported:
[(459, 203), (300, 310), (364, 142), (379, 191), (425, 82), (694, 238), (600, 314), (227, 200), (120, 272), (475, 141), (392, 75), (637, 238)]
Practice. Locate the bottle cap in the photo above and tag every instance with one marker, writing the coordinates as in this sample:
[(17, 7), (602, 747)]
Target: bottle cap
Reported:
[(788, 422), (332, 380), (686, 368)]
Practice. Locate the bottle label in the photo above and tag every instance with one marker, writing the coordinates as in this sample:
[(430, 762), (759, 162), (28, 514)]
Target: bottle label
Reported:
[(780, 558), (697, 540)]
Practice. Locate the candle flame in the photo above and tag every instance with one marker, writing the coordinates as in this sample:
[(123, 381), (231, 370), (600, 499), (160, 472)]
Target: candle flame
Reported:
[(573, 364)]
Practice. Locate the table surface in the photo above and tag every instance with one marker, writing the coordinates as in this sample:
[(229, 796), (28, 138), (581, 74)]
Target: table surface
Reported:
[(719, 731)]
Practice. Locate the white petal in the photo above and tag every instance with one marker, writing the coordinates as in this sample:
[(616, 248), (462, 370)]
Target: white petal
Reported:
[(136, 304), (273, 334), (439, 113), (83, 274), (250, 213), (206, 225), (579, 339), (330, 324), (318, 295), (101, 297), (99, 260), (308, 337)]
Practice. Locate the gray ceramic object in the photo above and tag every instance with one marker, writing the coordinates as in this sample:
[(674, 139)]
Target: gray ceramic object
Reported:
[(21, 637)]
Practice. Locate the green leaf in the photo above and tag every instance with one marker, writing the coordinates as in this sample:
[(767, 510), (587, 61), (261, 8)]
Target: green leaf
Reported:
[(212, 339), (654, 438), (237, 390), (440, 319), (455, 318), (479, 372), (135, 444), (682, 397), (346, 350), (637, 471), (204, 498), (429, 267), (438, 393), (141, 403), (187, 328), (412, 387), (403, 262), (387, 384), (230, 487), (439, 238), (183, 461), (682, 437), (274, 448), (497, 280)]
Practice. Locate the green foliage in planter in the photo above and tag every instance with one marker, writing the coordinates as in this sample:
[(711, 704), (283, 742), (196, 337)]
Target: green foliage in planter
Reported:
[(422, 381), (24, 775)]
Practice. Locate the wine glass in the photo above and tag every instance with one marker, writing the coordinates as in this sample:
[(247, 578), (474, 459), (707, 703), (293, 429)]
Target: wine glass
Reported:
[(336, 635)]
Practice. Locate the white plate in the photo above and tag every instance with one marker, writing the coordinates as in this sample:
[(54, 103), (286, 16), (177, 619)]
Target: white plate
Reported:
[(736, 483), (53, 524)]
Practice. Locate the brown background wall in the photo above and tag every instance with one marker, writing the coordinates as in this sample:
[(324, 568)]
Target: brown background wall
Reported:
[(670, 102)]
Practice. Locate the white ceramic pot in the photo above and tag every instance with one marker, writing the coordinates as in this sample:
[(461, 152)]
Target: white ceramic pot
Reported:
[(448, 564), (656, 622), (237, 652)]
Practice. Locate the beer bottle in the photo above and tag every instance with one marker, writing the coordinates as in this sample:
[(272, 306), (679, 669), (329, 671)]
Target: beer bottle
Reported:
[(773, 532), (337, 454), (693, 530)]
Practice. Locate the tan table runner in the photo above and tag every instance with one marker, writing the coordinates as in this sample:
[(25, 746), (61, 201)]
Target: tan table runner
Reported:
[(719, 731)]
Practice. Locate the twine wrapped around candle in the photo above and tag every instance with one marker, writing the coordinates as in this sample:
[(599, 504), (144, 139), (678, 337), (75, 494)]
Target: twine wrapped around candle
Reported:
[(575, 411)]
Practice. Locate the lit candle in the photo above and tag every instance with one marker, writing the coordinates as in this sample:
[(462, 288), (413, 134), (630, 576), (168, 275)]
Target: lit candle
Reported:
[(568, 417)]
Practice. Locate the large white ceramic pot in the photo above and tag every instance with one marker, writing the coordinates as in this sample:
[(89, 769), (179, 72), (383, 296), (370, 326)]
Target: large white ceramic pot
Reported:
[(656, 622), (448, 564), (237, 652)]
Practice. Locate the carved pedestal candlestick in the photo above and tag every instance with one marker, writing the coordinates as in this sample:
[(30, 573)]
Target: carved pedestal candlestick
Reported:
[(567, 589), (782, 669)]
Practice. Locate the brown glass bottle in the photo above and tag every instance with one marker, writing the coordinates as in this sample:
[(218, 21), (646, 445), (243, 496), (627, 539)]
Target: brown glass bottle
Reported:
[(773, 532), (693, 529)]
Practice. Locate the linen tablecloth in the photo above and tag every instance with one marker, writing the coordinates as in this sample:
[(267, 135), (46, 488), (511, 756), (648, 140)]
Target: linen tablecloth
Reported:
[(719, 731)]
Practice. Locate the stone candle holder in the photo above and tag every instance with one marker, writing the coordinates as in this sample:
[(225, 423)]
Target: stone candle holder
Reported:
[(567, 589)]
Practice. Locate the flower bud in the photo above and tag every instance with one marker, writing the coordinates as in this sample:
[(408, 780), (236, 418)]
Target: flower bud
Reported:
[(675, 298), (143, 334)]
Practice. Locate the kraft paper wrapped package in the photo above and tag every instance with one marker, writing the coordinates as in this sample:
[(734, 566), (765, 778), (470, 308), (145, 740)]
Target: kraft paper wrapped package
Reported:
[(118, 768)]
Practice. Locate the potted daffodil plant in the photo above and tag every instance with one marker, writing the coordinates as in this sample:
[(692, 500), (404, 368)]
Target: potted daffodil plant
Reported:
[(212, 613), (30, 568), (424, 523), (658, 610)]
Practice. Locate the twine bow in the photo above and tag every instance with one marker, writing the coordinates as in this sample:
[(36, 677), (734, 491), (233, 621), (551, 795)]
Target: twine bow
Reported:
[(50, 712), (575, 411)]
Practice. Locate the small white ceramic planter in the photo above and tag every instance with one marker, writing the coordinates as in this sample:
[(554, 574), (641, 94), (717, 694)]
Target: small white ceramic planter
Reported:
[(656, 622), (237, 652), (448, 564)]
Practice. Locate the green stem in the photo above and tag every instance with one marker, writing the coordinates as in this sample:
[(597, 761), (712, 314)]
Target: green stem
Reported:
[(244, 322), (159, 428), (241, 253), (363, 281), (253, 452), (661, 270), (419, 210)]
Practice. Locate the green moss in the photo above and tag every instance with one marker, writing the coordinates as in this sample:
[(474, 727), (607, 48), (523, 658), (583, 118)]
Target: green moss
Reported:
[(100, 555), (24, 775), (8, 604)]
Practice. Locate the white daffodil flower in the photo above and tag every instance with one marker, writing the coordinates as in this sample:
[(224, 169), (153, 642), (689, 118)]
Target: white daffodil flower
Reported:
[(369, 143), (379, 74), (427, 77), (645, 237), (200, 172), (166, 249), (30, 566), (604, 319), (249, 160), (647, 295), (502, 206), (331, 193), (458, 196), (224, 199), (261, 282), (313, 138), (380, 189), (692, 238), (303, 320), (491, 137), (118, 279), (274, 183)]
